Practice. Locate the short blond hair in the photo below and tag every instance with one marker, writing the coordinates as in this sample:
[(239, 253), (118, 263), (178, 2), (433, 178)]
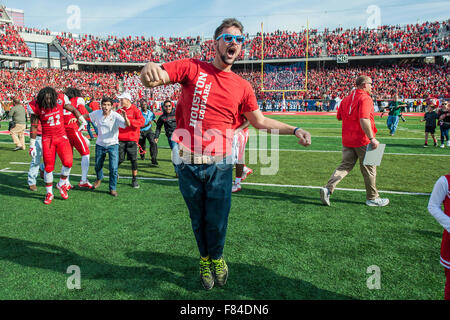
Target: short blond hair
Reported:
[(361, 79)]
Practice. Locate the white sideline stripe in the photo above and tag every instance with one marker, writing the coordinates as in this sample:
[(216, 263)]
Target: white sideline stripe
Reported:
[(343, 189), (335, 151), (19, 163), (91, 175), (339, 137), (252, 184), (318, 151)]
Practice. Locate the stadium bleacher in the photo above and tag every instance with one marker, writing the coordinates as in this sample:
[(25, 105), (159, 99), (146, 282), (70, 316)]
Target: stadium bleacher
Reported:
[(411, 81), (427, 37), (11, 43)]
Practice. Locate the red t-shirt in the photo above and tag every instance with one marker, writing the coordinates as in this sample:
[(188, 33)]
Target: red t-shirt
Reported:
[(77, 103), (208, 106), (358, 104), (52, 120)]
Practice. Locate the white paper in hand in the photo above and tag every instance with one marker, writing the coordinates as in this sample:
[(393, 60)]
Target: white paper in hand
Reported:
[(373, 157)]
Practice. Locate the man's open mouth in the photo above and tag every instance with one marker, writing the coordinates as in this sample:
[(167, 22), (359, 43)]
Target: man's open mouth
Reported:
[(230, 52)]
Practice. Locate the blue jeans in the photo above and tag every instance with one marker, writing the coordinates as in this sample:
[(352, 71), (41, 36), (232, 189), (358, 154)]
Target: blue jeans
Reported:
[(206, 189), (35, 163), (171, 143), (392, 123), (89, 129), (444, 134), (100, 155)]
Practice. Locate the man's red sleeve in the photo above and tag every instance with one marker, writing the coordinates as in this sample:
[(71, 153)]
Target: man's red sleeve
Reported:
[(178, 70)]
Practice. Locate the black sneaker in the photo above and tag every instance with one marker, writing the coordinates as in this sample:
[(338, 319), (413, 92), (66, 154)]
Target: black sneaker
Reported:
[(206, 275), (134, 184), (425, 145), (154, 162)]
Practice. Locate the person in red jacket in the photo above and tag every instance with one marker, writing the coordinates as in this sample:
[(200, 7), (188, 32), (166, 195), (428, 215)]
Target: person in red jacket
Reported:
[(358, 131), (129, 136)]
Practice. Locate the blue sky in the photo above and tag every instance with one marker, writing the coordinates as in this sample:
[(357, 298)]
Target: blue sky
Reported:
[(191, 18)]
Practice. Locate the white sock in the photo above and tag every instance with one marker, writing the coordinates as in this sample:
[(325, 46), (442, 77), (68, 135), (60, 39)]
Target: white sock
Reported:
[(64, 172), (84, 167), (237, 181), (49, 189), (62, 182), (48, 177)]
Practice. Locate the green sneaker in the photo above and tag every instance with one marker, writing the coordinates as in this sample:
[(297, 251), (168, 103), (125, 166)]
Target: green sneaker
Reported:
[(220, 271), (206, 275)]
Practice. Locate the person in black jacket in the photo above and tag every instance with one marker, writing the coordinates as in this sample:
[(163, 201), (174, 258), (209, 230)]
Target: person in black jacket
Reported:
[(170, 124), (168, 120)]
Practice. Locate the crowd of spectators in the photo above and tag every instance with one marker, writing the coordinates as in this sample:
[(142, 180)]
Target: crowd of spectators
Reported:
[(11, 43), (44, 32), (284, 45), (26, 85), (427, 37), (410, 81), (131, 82), (418, 38), (112, 49)]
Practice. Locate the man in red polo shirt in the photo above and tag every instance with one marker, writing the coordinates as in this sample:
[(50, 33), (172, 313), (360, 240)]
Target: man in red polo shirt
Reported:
[(358, 130), (129, 136)]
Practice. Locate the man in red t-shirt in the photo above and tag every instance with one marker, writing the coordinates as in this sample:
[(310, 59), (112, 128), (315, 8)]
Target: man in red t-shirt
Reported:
[(356, 112), (207, 113), (48, 109)]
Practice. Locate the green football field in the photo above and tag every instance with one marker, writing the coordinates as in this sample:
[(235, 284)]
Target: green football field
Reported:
[(282, 243)]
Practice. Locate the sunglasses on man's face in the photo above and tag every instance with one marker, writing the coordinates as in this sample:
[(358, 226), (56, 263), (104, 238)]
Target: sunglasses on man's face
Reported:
[(229, 37)]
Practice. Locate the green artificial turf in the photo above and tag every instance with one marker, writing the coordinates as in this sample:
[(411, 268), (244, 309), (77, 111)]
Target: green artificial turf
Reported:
[(282, 243)]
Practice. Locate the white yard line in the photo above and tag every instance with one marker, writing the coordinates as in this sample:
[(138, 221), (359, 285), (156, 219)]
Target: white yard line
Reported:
[(339, 151), (6, 170)]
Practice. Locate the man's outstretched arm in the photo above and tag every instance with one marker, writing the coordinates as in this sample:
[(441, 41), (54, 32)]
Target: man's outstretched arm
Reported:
[(259, 121)]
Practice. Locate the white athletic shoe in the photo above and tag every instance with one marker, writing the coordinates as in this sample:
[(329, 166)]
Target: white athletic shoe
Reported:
[(442, 146), (236, 187), (325, 196), (448, 143), (246, 172), (378, 202), (85, 184)]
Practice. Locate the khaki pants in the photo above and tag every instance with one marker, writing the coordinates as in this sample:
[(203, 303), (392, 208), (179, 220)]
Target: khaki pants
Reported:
[(349, 158), (17, 134)]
